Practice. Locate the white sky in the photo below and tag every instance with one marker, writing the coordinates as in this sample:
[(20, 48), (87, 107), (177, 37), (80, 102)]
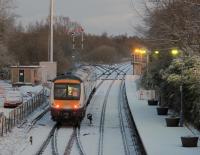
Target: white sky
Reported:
[(96, 16)]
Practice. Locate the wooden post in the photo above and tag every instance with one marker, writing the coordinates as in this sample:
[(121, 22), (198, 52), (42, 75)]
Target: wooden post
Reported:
[(2, 125), (14, 116)]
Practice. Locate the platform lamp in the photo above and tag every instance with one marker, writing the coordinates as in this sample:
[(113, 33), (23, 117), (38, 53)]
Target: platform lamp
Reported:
[(175, 52)]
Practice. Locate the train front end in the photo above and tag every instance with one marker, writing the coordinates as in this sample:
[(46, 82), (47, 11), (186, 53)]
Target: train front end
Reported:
[(68, 100)]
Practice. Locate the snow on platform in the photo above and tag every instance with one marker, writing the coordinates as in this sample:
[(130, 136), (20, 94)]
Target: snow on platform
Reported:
[(156, 137)]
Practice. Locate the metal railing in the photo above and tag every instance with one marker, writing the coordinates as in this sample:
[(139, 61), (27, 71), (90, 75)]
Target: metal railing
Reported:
[(17, 115)]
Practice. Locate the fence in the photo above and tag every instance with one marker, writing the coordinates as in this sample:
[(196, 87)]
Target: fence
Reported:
[(17, 115)]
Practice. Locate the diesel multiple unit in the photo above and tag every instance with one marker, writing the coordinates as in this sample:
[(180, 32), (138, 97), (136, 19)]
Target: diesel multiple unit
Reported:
[(71, 93)]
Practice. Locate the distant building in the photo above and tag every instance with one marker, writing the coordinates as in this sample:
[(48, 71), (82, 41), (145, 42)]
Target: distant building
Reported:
[(49, 70), (33, 74), (25, 75)]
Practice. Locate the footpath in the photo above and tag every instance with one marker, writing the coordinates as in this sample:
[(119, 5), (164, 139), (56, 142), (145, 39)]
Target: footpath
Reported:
[(157, 138)]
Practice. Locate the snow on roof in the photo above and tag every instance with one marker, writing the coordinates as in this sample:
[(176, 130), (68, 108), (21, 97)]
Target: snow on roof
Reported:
[(31, 89), (31, 66)]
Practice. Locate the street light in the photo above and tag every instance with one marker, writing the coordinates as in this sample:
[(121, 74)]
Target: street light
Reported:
[(156, 52), (51, 29), (176, 52)]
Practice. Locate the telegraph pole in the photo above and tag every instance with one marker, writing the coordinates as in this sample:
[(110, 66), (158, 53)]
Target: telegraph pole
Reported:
[(82, 40), (51, 29)]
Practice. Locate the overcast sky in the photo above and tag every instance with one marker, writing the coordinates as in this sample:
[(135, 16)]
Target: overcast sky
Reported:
[(96, 16)]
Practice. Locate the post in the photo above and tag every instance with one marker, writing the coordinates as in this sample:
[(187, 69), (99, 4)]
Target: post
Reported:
[(133, 63), (51, 29), (147, 64), (181, 111), (181, 93), (2, 125), (73, 41), (82, 40)]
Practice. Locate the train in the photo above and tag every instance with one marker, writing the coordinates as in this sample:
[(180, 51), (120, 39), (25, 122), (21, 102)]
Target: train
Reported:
[(71, 93)]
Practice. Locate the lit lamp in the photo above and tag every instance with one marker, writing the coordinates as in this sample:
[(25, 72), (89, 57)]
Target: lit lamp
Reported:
[(143, 51), (156, 52), (174, 52)]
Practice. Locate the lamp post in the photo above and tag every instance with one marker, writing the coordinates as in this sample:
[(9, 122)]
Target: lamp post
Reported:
[(51, 29), (175, 52)]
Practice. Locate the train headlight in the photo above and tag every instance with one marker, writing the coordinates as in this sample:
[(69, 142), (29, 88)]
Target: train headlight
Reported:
[(57, 106), (75, 106)]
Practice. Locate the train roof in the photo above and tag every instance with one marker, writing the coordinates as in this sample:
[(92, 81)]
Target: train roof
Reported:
[(80, 74), (68, 76)]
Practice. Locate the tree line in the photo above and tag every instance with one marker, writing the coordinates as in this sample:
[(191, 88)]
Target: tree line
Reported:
[(29, 45), (175, 24)]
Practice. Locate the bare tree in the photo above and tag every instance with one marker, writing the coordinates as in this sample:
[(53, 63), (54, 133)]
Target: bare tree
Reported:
[(175, 23), (6, 28)]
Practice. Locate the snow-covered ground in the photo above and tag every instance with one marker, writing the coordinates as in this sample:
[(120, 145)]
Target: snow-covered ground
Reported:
[(17, 142), (27, 92), (112, 138), (112, 124), (90, 133), (39, 134), (156, 137), (30, 91)]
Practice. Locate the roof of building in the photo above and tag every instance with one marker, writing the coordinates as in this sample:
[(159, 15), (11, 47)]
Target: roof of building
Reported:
[(23, 66)]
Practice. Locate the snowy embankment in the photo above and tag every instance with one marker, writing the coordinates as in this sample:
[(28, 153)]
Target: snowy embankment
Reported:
[(26, 93), (156, 137), (18, 141)]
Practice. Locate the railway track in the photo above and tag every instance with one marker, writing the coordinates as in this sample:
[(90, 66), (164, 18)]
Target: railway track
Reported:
[(100, 149), (101, 130), (75, 135), (112, 71), (81, 150), (47, 141)]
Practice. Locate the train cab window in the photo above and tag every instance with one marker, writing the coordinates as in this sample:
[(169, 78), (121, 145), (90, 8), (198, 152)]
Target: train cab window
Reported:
[(73, 90), (67, 91)]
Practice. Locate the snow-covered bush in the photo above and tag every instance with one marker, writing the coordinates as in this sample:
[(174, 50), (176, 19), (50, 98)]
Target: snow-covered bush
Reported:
[(185, 72)]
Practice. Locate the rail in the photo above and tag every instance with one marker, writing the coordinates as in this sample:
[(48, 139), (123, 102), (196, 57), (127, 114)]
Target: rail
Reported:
[(46, 142)]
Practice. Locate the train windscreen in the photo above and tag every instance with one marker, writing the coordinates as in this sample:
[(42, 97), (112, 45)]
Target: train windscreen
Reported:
[(67, 91)]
